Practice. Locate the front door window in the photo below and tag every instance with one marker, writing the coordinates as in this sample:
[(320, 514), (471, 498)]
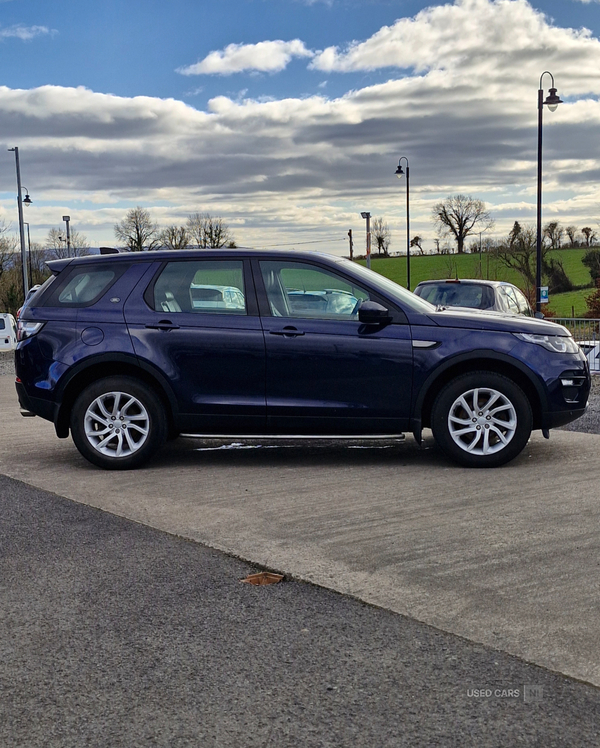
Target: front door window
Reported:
[(305, 291)]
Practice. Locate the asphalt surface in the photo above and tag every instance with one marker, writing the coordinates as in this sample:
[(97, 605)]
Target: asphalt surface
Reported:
[(115, 634)]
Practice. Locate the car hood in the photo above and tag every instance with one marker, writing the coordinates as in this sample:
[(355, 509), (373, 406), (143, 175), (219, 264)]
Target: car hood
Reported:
[(473, 319)]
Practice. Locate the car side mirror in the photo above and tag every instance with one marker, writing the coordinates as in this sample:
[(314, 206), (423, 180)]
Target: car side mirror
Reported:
[(372, 313), (538, 315)]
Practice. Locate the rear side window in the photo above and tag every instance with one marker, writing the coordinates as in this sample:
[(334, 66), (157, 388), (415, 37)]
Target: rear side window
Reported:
[(2, 325), (83, 286)]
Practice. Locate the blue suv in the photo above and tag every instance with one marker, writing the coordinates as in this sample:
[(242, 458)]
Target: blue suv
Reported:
[(124, 351)]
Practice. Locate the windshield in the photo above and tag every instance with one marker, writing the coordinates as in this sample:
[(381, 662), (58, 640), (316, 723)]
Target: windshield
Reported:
[(452, 293), (388, 287)]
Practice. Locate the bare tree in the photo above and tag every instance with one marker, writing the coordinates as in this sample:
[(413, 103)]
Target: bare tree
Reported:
[(8, 247), (459, 216), (591, 259), (208, 231), (56, 244), (174, 237), (381, 234), (38, 256), (554, 232), (589, 234), (137, 231), (417, 241), (571, 232), (519, 252)]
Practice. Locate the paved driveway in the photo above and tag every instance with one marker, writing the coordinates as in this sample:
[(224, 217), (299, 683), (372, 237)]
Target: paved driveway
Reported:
[(506, 557)]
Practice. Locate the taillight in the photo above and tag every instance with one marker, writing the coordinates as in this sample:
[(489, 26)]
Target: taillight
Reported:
[(27, 329)]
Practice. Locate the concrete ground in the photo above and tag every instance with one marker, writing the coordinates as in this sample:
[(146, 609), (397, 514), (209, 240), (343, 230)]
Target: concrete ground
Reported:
[(117, 635), (506, 557)]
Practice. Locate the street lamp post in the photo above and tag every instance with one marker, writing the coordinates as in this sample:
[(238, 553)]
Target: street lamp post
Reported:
[(552, 101), (20, 201), (368, 218), (399, 174), (67, 219)]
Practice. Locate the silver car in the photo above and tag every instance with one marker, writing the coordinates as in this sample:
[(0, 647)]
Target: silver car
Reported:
[(491, 296)]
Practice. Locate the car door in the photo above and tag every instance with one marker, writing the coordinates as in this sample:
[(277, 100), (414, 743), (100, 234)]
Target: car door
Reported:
[(211, 353), (326, 372)]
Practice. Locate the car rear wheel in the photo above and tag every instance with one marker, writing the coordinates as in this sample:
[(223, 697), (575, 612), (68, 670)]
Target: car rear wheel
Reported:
[(118, 423), (481, 419)]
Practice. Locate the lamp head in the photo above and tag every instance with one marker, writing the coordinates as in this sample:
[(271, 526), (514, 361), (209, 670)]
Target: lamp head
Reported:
[(27, 200), (366, 215), (399, 171), (552, 100)]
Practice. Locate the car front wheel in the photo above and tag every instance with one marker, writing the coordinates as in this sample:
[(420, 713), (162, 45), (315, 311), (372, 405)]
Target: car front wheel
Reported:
[(481, 419), (118, 423)]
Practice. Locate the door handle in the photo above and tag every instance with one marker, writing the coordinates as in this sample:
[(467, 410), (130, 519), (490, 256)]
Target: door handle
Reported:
[(287, 332), (164, 324)]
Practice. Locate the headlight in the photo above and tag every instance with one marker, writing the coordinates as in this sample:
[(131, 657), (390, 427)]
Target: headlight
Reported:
[(28, 329), (554, 343)]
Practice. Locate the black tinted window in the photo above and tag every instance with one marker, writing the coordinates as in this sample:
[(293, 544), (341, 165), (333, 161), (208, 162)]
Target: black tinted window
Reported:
[(83, 286)]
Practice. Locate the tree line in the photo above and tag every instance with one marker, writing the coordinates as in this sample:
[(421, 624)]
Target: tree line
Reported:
[(137, 232), (459, 217)]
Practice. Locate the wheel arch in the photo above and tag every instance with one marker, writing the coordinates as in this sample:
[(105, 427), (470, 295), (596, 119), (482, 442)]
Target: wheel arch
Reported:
[(481, 361), (100, 367)]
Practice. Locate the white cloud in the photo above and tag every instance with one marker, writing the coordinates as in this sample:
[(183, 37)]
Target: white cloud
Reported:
[(25, 33), (474, 37), (463, 112), (270, 56)]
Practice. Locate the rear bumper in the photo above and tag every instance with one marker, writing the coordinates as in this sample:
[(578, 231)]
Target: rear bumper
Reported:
[(33, 405)]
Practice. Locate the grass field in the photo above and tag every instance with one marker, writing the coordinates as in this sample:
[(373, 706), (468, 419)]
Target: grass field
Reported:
[(430, 267)]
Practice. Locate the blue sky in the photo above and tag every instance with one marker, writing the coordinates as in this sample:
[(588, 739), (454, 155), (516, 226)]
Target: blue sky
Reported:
[(287, 118)]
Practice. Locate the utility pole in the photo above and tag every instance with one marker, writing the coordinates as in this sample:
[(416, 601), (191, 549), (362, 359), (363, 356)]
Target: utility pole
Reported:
[(367, 216), (351, 245)]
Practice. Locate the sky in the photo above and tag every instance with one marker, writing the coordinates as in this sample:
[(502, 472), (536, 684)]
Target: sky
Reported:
[(287, 118)]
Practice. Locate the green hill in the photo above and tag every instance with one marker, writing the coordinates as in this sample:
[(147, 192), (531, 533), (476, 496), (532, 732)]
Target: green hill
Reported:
[(428, 267)]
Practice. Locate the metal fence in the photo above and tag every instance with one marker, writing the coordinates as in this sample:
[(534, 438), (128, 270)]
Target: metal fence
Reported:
[(587, 333)]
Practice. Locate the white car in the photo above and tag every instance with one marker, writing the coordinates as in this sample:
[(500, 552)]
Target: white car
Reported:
[(8, 332), (216, 298), (591, 348)]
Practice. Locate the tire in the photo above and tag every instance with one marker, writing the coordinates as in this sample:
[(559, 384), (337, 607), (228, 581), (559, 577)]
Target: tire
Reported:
[(481, 419), (118, 423)]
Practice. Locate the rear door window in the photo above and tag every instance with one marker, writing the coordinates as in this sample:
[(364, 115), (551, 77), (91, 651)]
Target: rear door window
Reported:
[(201, 287)]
